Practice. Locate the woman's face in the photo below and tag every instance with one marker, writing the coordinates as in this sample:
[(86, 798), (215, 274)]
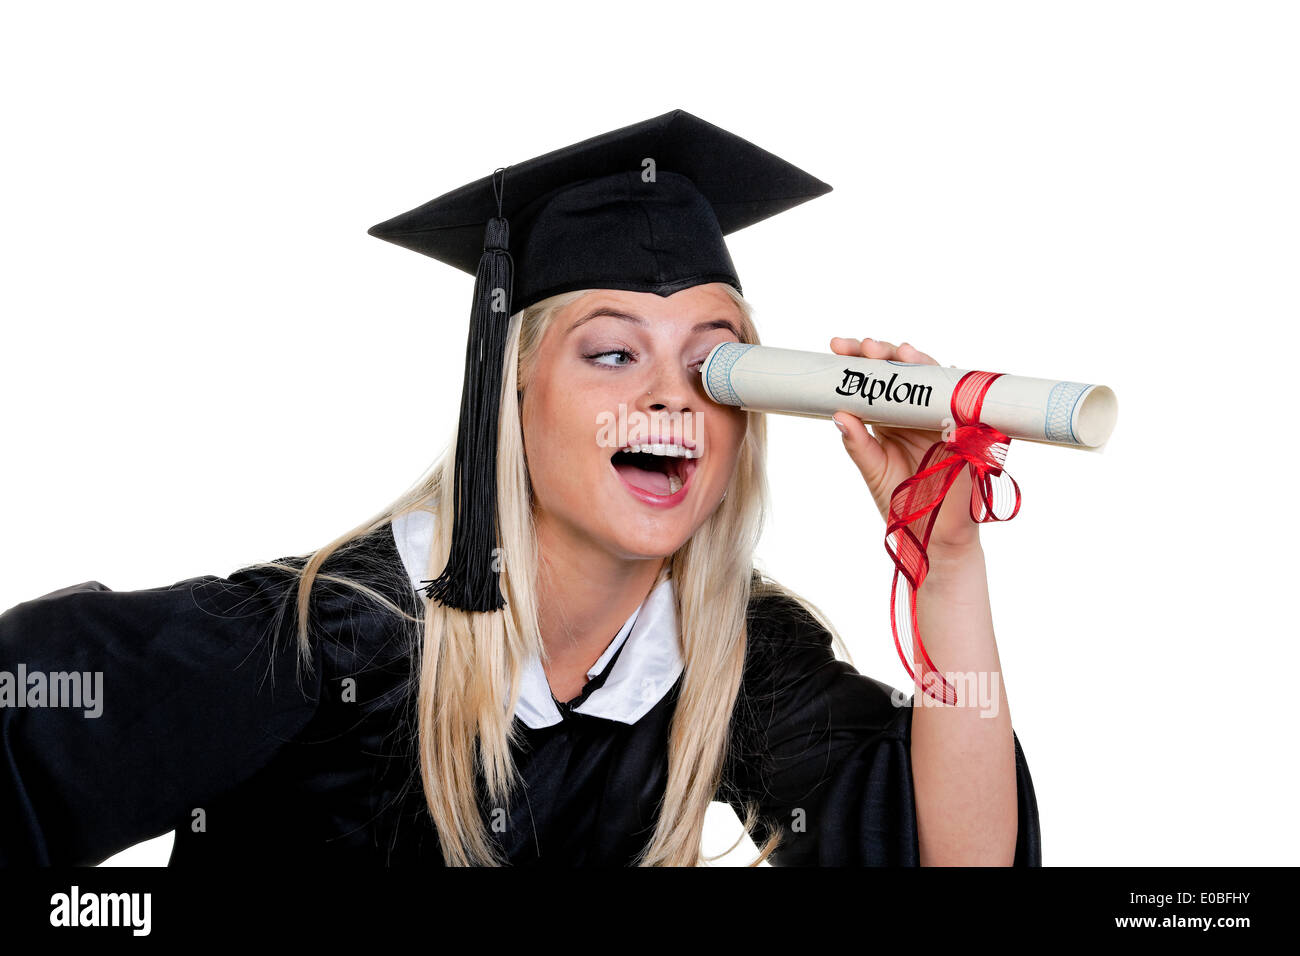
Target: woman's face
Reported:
[(625, 451)]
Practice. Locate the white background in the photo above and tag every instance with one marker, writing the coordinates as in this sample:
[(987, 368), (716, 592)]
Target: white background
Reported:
[(207, 362)]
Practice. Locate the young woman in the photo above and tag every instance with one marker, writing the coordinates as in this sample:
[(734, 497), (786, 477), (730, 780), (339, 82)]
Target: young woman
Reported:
[(598, 659)]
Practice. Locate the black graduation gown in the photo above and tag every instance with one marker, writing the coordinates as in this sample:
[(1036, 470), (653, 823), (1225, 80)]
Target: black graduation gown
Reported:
[(207, 729)]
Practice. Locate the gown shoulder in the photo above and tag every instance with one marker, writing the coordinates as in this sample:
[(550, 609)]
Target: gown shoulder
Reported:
[(160, 701), (822, 752)]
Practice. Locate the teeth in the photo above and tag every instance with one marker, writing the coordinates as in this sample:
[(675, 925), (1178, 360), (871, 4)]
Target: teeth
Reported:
[(663, 450), (674, 484)]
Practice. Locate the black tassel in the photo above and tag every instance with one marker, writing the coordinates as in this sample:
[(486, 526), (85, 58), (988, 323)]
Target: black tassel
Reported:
[(470, 581)]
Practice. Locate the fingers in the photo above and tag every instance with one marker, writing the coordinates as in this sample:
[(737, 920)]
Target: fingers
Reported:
[(843, 346), (881, 350), (868, 348), (866, 452), (910, 353)]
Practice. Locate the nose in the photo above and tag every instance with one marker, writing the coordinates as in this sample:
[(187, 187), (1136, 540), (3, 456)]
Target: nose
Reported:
[(671, 388)]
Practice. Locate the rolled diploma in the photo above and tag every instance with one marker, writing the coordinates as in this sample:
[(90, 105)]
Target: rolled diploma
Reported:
[(909, 395)]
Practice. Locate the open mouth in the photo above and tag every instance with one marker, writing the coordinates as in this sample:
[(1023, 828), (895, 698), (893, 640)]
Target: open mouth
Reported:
[(661, 470)]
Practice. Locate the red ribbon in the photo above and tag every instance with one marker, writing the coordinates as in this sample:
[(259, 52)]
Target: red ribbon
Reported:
[(983, 449)]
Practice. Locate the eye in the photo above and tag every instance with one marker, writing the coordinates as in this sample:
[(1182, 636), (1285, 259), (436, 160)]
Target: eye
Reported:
[(696, 364), (597, 358)]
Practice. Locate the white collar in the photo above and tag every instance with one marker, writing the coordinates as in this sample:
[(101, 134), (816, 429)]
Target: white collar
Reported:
[(645, 671)]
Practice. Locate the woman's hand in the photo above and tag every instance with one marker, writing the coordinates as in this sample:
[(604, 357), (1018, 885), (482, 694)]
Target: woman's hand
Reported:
[(892, 455)]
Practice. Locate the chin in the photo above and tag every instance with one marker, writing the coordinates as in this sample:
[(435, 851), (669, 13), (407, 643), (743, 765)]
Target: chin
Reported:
[(649, 544)]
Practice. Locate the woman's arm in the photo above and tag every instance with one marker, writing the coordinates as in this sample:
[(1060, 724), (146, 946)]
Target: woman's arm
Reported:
[(195, 691), (963, 757)]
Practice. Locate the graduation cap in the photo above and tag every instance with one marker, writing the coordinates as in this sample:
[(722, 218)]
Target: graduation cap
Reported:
[(642, 209)]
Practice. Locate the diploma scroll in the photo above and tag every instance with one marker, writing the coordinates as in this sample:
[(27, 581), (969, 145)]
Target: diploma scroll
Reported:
[(904, 394)]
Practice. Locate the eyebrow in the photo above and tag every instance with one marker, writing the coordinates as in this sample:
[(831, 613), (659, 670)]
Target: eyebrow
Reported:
[(638, 320)]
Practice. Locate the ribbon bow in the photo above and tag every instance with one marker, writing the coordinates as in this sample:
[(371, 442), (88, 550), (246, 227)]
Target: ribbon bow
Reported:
[(973, 444)]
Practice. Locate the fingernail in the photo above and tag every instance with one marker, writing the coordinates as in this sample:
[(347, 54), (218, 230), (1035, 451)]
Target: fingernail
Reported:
[(843, 431)]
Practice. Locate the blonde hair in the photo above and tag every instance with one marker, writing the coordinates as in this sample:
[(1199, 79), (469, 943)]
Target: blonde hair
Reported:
[(465, 659)]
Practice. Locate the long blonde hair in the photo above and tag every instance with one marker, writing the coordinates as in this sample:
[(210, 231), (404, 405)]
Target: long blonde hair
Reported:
[(466, 659)]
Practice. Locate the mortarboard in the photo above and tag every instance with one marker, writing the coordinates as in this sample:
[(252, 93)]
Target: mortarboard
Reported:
[(642, 209)]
